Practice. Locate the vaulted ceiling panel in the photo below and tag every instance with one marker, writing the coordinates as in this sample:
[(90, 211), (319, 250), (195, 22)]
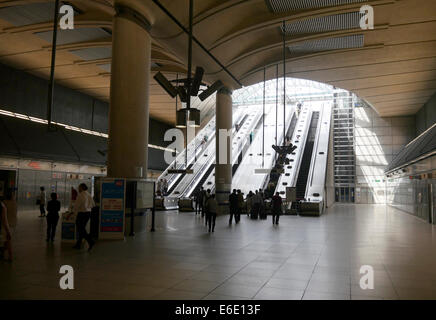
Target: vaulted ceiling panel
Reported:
[(394, 62)]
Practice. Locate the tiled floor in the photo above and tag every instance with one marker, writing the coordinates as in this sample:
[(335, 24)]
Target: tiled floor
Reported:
[(303, 258)]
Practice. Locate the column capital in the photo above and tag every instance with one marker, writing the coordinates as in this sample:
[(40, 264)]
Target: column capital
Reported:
[(132, 15), (225, 90)]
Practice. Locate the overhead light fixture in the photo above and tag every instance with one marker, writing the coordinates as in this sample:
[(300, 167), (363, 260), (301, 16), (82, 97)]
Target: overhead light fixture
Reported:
[(199, 71), (194, 117), (211, 90), (165, 84), (181, 118), (192, 114)]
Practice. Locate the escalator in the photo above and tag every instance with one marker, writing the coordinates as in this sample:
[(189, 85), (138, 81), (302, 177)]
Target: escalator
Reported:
[(316, 191), (255, 167), (240, 142), (178, 179), (307, 157), (211, 168), (271, 183), (202, 166)]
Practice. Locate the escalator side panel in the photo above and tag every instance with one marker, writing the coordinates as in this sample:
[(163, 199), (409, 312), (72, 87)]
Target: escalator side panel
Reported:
[(315, 190)]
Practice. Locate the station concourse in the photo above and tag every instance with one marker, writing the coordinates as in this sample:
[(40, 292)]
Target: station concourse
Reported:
[(158, 105)]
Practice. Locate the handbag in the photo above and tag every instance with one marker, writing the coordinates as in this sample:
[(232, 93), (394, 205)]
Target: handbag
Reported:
[(38, 202)]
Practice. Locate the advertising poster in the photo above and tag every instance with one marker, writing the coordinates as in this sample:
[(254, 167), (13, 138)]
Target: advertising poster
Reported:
[(112, 215)]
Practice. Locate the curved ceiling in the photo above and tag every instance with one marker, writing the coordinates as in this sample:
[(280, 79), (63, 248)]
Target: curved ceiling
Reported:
[(393, 67)]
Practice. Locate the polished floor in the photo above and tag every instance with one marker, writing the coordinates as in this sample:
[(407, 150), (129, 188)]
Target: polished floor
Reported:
[(302, 258)]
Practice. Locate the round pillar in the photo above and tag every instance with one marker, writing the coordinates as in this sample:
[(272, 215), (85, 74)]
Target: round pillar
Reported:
[(223, 166), (129, 96)]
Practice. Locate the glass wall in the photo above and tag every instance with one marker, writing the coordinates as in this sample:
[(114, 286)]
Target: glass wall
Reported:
[(414, 190)]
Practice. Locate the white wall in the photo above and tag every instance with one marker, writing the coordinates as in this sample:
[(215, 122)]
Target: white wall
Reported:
[(377, 141)]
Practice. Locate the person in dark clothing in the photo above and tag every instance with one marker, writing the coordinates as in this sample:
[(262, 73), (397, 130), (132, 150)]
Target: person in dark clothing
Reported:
[(240, 206), (233, 203), (211, 207), (199, 201), (53, 208), (41, 202), (205, 197), (276, 208)]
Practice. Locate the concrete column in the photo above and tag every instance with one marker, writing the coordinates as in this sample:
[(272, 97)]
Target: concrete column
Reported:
[(129, 96), (223, 167)]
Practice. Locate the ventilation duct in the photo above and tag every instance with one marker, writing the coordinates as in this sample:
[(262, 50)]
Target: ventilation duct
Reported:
[(319, 45), (278, 6), (336, 22)]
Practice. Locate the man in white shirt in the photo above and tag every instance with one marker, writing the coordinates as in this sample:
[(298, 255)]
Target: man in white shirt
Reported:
[(82, 210)]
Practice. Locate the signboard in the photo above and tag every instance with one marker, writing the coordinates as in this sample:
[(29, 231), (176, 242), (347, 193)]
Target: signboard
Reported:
[(291, 194), (112, 209), (144, 194), (69, 232)]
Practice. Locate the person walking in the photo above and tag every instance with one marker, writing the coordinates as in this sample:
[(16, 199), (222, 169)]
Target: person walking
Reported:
[(205, 197), (249, 200), (211, 205), (199, 201), (256, 201), (240, 206), (6, 234), (233, 206), (159, 186), (53, 208), (41, 201), (11, 213), (164, 187), (82, 210), (276, 208), (262, 211)]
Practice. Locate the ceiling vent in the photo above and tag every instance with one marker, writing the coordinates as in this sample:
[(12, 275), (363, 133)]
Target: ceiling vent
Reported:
[(278, 6), (88, 54), (32, 13), (336, 22), (74, 36), (106, 67), (28, 14), (319, 45)]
